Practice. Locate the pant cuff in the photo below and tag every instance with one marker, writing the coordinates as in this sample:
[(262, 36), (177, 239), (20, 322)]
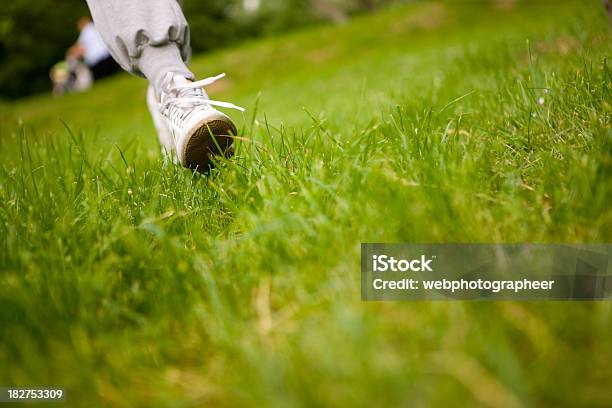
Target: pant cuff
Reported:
[(156, 62)]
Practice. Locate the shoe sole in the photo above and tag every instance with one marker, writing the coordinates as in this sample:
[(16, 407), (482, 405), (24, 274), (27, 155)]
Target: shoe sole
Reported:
[(212, 138)]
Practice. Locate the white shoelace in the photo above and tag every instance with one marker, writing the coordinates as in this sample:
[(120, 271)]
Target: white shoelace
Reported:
[(190, 95)]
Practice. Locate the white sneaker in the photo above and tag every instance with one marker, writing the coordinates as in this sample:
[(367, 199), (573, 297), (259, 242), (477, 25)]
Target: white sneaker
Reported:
[(165, 138), (187, 124)]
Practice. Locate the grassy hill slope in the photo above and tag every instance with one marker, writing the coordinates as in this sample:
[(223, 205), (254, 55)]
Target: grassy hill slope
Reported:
[(133, 282)]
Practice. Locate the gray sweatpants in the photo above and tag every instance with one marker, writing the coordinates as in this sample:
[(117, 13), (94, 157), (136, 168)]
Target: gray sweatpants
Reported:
[(146, 37)]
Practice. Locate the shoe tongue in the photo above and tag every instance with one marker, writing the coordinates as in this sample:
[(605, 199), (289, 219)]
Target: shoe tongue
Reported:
[(180, 80)]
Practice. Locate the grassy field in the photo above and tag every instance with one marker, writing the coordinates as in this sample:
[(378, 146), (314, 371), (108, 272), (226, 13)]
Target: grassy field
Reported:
[(133, 282)]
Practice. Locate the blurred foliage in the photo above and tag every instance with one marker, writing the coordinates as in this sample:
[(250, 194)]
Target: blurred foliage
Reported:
[(35, 35), (210, 23)]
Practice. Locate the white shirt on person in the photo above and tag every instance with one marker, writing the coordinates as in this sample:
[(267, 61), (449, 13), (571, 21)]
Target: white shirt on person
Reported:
[(92, 43)]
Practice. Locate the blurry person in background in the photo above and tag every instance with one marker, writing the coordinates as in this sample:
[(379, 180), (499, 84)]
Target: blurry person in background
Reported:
[(150, 38), (70, 75), (91, 48)]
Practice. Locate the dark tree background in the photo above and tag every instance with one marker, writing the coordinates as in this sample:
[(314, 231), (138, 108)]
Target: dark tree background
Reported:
[(33, 36)]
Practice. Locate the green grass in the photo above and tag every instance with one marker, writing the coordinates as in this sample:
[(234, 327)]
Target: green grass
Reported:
[(133, 282)]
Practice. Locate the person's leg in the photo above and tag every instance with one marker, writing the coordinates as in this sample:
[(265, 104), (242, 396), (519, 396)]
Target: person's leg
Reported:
[(104, 68), (151, 38), (146, 37)]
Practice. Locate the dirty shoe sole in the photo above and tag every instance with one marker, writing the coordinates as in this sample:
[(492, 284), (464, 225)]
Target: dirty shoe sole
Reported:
[(213, 137)]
